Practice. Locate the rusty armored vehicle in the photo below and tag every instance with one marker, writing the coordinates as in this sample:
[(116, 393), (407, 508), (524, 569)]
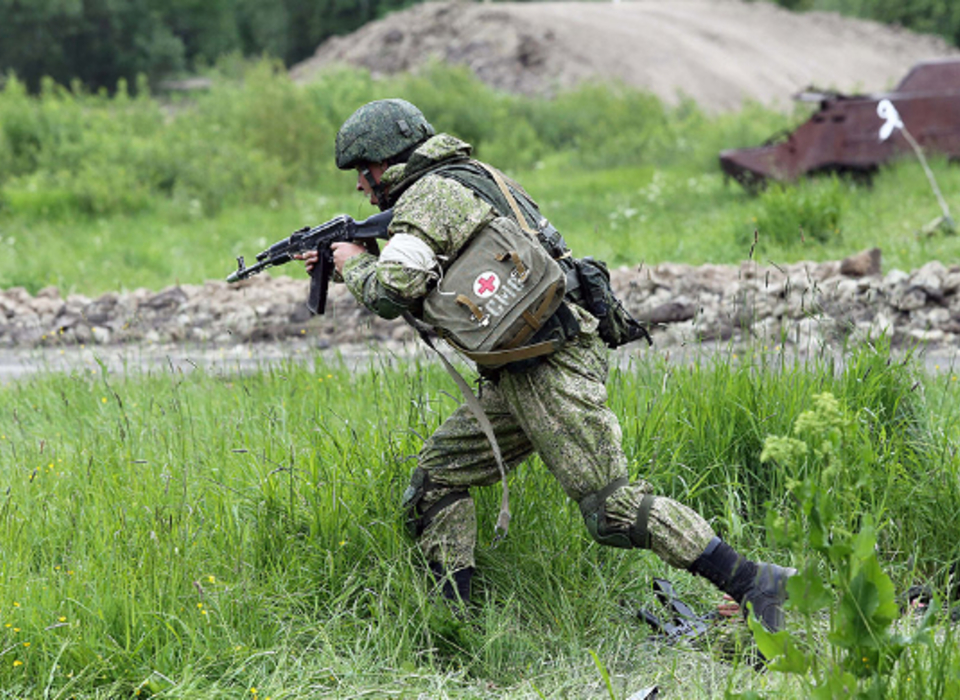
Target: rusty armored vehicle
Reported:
[(843, 135)]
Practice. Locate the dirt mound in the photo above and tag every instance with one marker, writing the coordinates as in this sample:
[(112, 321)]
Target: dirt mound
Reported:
[(718, 52)]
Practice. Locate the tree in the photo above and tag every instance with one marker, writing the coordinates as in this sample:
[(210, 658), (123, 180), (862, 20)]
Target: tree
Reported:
[(95, 41)]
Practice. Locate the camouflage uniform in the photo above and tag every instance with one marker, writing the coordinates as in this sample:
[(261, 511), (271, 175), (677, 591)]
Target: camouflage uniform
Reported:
[(557, 409)]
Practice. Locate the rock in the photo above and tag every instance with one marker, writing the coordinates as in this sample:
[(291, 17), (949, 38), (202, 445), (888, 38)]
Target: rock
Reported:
[(671, 312), (930, 276), (101, 310), (806, 302), (951, 282), (167, 301), (101, 335), (49, 293), (911, 299), (864, 264)]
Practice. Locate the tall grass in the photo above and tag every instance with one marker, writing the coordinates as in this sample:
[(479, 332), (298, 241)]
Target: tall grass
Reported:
[(132, 192), (208, 534)]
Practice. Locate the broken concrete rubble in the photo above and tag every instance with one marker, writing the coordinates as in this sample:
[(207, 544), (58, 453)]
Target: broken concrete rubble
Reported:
[(806, 302)]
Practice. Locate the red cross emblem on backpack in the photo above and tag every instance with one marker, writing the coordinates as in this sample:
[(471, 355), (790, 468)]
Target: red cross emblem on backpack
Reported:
[(486, 284)]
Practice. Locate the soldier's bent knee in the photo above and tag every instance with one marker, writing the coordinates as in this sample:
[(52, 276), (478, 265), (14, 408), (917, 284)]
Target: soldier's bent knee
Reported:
[(418, 516), (594, 511)]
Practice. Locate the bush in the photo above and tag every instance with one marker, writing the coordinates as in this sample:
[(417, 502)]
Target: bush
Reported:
[(70, 153), (810, 210)]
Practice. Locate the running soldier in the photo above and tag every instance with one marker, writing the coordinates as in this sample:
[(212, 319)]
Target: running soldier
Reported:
[(553, 404)]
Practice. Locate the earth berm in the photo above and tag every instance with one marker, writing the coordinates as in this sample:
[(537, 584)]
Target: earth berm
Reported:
[(717, 52)]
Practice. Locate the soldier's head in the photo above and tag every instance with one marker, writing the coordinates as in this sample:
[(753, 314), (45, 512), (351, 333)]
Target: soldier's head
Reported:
[(376, 136)]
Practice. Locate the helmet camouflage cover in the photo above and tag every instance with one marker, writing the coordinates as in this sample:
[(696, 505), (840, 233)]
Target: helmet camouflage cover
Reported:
[(379, 131)]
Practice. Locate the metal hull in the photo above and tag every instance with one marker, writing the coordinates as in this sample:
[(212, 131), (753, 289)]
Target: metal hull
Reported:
[(843, 135)]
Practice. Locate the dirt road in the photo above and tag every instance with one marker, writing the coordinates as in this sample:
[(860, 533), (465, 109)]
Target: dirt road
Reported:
[(718, 52), (22, 363)]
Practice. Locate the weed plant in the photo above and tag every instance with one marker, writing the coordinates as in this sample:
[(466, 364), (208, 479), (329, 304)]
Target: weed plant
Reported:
[(135, 192), (219, 534)]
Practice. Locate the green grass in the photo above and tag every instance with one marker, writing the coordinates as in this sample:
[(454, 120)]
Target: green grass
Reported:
[(203, 534), (134, 193), (207, 534), (628, 216)]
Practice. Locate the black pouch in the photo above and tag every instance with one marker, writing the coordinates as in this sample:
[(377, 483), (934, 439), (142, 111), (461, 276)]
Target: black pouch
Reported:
[(617, 326)]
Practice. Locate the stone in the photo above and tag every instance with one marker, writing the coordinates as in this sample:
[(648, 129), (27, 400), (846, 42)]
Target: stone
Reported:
[(807, 302), (670, 312), (930, 275), (101, 335), (863, 264)]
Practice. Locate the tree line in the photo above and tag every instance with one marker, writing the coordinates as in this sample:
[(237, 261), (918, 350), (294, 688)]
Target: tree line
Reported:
[(940, 17), (99, 42)]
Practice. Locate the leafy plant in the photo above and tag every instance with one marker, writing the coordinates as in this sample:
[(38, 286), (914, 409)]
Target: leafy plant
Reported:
[(842, 580)]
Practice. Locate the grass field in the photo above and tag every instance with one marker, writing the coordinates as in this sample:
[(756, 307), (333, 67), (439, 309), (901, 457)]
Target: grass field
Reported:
[(130, 193), (626, 215), (221, 534)]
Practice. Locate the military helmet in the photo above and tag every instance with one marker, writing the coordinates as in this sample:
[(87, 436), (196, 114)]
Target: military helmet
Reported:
[(379, 131)]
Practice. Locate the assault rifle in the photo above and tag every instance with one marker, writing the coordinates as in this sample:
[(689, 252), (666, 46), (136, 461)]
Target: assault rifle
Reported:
[(319, 238)]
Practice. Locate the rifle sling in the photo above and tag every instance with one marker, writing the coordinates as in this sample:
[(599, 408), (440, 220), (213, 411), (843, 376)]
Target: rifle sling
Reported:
[(473, 403)]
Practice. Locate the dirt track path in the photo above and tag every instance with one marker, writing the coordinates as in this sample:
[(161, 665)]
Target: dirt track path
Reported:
[(18, 364), (719, 52)]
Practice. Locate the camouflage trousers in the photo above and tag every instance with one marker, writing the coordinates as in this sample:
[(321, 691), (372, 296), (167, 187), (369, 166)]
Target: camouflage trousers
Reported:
[(558, 410)]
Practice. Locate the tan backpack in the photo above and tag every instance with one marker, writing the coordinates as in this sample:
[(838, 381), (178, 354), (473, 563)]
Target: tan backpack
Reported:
[(496, 295)]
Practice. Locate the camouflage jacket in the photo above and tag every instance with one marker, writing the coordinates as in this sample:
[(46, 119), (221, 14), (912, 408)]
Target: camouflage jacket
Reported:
[(439, 211)]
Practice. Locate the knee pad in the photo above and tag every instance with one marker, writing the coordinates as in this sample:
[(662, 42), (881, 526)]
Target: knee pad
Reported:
[(418, 517), (594, 511)]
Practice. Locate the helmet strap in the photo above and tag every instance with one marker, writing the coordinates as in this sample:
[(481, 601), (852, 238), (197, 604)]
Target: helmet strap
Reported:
[(378, 189)]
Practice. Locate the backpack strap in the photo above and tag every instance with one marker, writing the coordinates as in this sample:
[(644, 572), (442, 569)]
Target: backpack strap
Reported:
[(508, 195)]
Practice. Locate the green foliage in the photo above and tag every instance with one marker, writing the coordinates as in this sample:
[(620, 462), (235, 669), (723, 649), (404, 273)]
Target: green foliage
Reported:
[(605, 126), (101, 42), (78, 154), (927, 16), (727, 409), (207, 533), (625, 178), (843, 579), (789, 215), (96, 42)]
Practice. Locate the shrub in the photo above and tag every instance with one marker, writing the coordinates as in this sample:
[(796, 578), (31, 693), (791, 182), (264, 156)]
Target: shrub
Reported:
[(810, 210)]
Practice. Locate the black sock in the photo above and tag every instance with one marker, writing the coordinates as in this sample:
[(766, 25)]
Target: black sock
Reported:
[(724, 568)]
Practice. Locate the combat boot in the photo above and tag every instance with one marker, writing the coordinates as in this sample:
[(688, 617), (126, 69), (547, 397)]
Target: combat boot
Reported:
[(758, 584), (767, 594)]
